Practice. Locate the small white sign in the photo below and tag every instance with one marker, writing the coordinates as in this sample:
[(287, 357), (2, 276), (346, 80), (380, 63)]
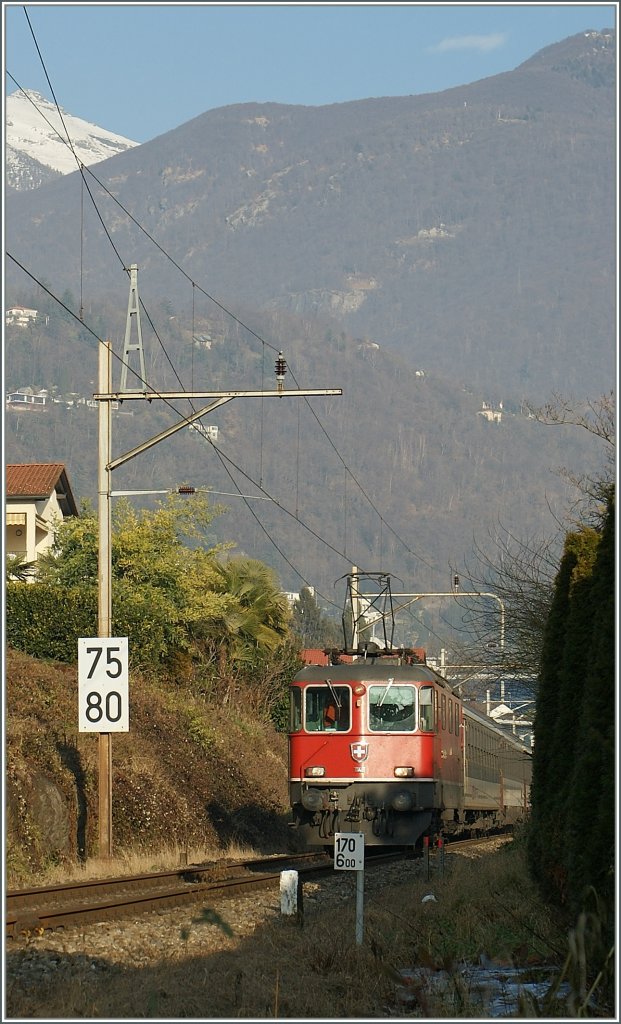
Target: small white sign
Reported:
[(349, 851), (103, 684)]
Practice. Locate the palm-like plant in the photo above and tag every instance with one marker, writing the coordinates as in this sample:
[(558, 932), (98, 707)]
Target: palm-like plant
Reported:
[(18, 569), (253, 636), (260, 617)]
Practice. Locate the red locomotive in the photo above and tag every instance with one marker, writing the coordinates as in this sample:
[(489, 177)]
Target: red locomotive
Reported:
[(383, 745)]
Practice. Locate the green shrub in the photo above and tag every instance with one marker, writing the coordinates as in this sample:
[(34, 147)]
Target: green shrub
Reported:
[(47, 622)]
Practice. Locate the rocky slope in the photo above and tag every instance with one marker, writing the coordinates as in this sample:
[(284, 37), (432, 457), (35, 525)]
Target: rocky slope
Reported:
[(187, 773)]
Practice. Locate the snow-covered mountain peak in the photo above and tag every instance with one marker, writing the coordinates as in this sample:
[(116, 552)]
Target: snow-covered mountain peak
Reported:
[(36, 139)]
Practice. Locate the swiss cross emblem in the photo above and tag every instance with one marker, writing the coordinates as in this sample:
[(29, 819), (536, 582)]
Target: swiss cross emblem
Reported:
[(359, 751)]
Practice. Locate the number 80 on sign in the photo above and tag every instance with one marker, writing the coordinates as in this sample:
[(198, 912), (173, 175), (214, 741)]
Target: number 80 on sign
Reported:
[(103, 684)]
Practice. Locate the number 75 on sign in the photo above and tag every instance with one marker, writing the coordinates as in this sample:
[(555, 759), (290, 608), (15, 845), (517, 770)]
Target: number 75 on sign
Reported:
[(103, 684)]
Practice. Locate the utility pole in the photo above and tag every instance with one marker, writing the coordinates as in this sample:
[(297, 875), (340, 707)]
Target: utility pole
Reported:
[(133, 318), (105, 396), (104, 591)]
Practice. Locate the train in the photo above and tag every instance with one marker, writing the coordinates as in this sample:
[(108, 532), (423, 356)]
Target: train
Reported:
[(381, 744)]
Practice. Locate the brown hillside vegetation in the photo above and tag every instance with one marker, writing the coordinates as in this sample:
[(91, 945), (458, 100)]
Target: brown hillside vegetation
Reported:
[(189, 773)]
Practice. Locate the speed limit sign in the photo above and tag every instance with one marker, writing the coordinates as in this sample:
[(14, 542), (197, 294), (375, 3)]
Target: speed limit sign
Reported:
[(103, 684)]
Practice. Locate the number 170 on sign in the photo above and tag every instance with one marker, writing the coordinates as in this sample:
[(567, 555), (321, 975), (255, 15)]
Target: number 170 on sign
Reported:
[(349, 851), (103, 684)]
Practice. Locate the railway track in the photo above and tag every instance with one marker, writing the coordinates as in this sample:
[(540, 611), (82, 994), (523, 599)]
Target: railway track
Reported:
[(32, 911)]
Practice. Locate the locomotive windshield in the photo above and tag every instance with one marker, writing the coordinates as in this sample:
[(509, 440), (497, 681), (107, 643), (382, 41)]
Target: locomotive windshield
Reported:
[(392, 708), (327, 708)]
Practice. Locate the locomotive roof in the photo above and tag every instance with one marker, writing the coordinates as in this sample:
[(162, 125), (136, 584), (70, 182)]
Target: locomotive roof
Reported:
[(369, 671)]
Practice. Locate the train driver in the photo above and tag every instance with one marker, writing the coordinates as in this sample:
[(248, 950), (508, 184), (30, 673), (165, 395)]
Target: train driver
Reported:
[(330, 716)]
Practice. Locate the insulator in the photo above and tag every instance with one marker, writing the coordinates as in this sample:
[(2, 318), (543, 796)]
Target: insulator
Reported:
[(281, 366), (186, 490)]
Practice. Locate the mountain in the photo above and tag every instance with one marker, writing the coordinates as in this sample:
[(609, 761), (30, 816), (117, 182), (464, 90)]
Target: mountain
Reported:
[(36, 148), (432, 255), (470, 230)]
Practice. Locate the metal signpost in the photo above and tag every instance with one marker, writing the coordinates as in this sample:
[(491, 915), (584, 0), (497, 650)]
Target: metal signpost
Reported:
[(349, 856)]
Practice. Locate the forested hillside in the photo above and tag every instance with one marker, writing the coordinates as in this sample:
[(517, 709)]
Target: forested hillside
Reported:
[(399, 473)]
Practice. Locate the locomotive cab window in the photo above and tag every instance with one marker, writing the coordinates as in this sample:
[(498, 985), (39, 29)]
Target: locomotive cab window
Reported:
[(392, 708), (327, 708), (425, 715), (295, 709)]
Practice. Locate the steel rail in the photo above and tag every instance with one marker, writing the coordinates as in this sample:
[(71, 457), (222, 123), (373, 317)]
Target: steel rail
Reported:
[(97, 899), (34, 910)]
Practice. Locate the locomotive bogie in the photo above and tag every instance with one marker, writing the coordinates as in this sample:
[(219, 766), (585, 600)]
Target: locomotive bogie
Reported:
[(388, 813)]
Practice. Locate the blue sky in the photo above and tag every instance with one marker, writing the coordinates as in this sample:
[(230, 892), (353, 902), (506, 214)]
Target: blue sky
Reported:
[(143, 69)]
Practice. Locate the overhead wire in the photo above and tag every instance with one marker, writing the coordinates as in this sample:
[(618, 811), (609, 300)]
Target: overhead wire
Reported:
[(218, 453), (154, 393), (274, 348), (254, 334), (82, 168)]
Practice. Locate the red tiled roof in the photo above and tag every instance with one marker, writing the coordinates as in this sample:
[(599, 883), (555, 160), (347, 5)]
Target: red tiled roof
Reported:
[(314, 656), (38, 480)]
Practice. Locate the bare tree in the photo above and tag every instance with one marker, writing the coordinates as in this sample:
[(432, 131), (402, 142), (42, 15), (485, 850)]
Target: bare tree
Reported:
[(521, 571), (598, 419), (505, 636)]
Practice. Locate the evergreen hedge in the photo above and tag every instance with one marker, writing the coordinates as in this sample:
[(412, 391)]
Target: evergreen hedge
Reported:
[(571, 835), (46, 621)]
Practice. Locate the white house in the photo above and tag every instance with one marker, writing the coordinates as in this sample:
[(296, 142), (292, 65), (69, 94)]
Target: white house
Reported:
[(27, 398), (37, 497), (493, 415), (20, 315), (210, 433), (294, 595)]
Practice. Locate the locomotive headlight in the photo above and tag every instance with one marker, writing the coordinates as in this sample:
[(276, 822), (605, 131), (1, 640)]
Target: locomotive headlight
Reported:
[(402, 801), (312, 800), (315, 772), (404, 772)]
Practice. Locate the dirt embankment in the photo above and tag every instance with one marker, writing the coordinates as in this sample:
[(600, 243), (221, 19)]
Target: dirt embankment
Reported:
[(187, 773)]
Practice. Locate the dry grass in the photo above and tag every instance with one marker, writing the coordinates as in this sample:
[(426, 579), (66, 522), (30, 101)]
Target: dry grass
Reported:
[(282, 970), (185, 785), (136, 862)]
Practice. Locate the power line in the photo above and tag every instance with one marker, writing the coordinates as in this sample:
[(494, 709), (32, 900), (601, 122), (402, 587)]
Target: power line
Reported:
[(220, 454), (258, 337), (240, 323), (223, 308)]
